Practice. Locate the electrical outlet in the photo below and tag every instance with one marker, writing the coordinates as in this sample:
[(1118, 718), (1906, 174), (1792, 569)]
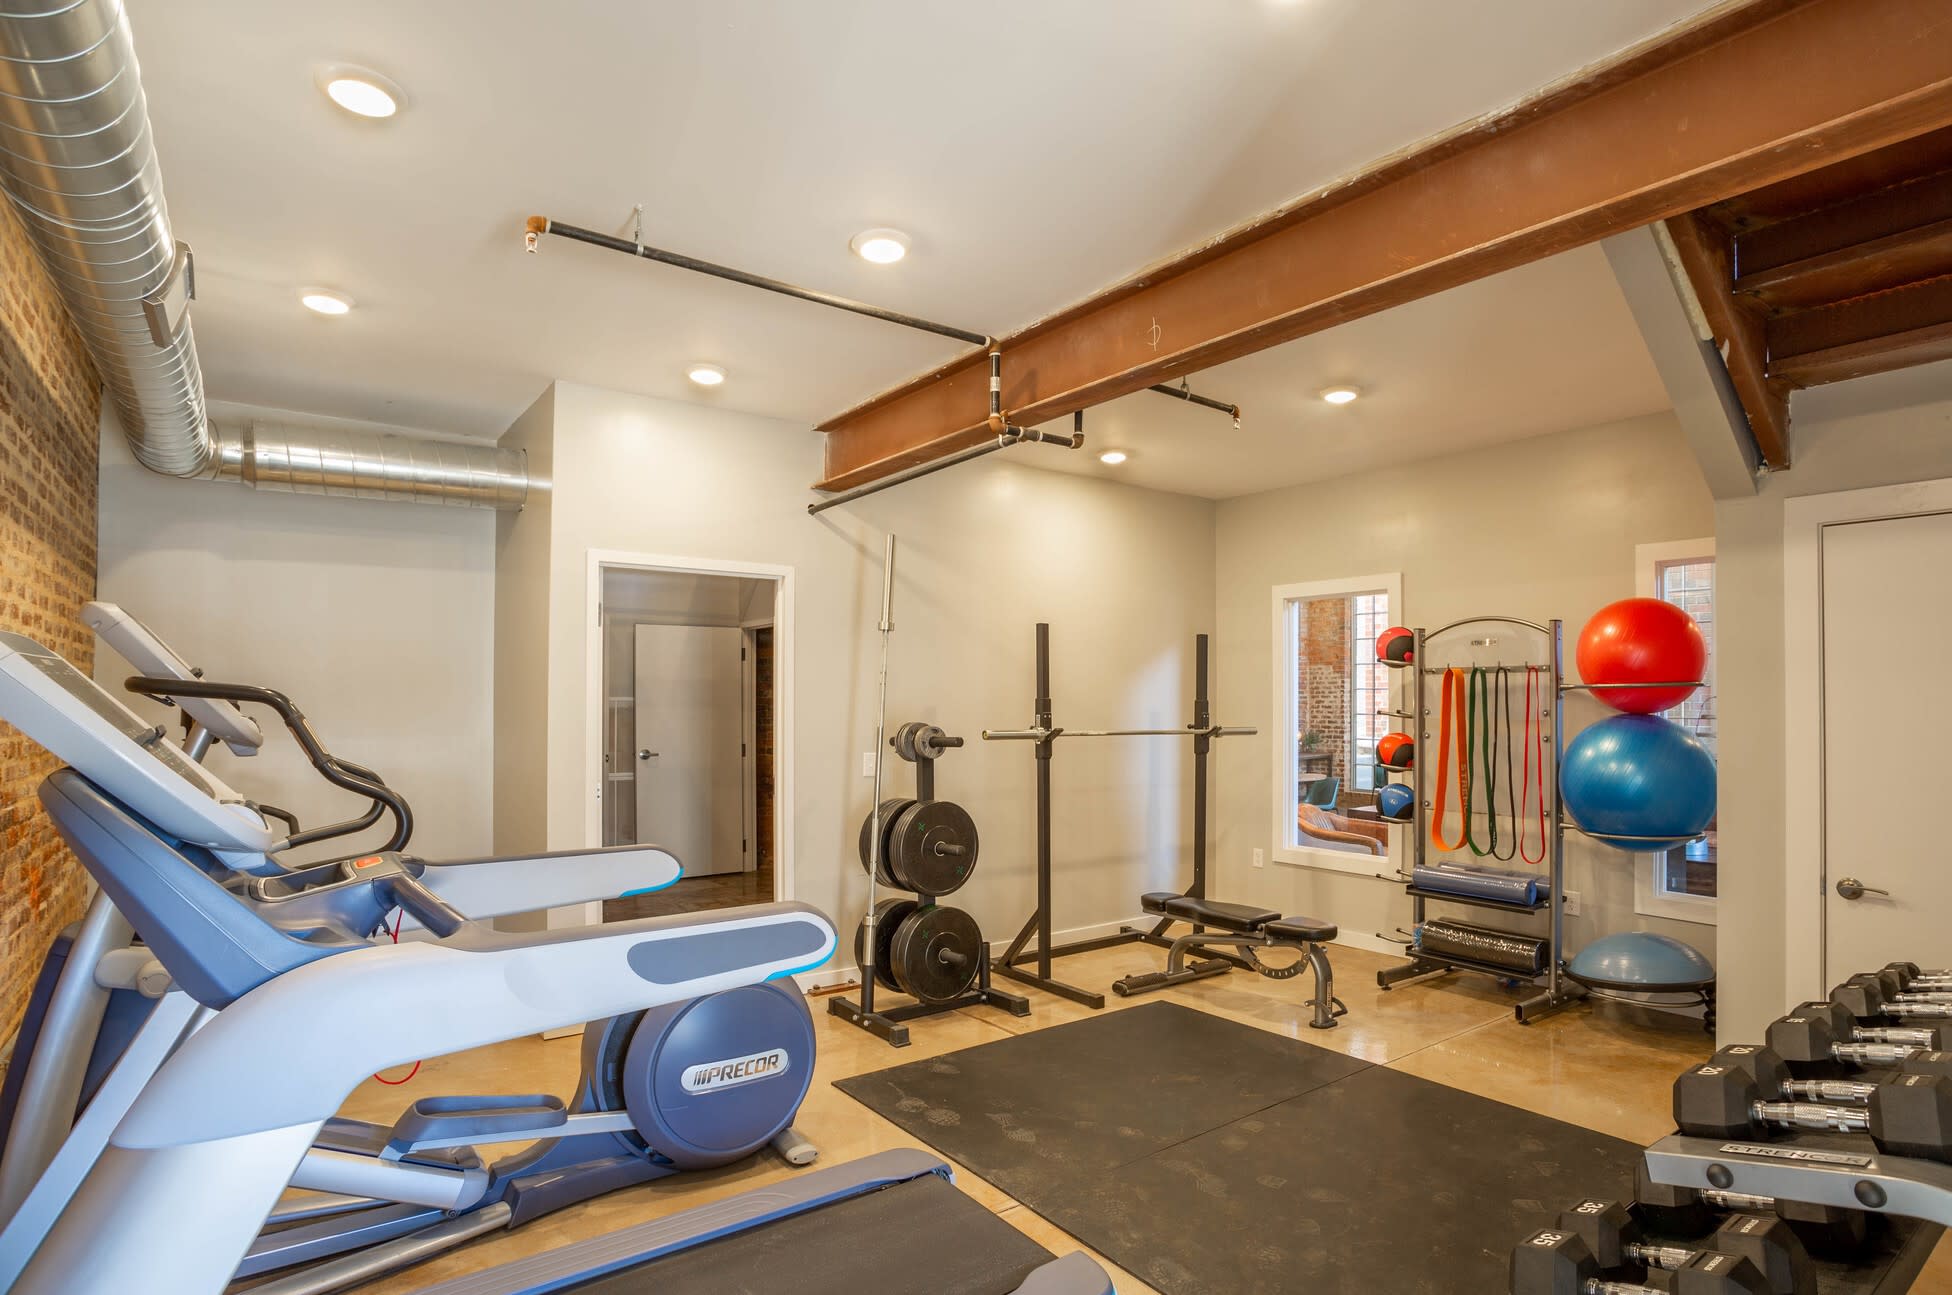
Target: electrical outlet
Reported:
[(867, 764), (1572, 903), (1260, 861)]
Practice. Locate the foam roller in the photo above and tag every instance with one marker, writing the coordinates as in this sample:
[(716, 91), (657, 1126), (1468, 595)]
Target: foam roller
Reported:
[(1499, 884), (1521, 953)]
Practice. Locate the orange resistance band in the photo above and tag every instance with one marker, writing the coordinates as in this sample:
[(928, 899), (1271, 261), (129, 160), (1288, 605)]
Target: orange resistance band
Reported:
[(1534, 741), (1453, 701)]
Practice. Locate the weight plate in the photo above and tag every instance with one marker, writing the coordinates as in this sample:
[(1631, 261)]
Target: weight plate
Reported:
[(932, 847), (890, 810), (888, 917), (904, 739), (936, 952)]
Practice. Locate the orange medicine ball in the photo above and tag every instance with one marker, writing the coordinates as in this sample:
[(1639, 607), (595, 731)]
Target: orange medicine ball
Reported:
[(1396, 750)]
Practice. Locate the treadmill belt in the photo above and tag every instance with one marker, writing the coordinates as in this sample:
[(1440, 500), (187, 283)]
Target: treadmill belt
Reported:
[(920, 1237)]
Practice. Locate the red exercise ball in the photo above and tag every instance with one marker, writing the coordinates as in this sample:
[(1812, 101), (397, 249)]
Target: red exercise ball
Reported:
[(1642, 640), (1396, 644), (1396, 750)]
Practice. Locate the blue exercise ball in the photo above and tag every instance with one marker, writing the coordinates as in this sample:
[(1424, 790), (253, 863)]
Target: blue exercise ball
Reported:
[(1638, 776), (1641, 960), (1393, 800)]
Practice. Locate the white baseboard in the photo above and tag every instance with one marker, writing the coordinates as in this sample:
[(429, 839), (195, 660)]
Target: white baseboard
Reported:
[(1370, 943)]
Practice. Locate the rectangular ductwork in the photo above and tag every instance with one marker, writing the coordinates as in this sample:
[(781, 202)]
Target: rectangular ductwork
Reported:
[(78, 164)]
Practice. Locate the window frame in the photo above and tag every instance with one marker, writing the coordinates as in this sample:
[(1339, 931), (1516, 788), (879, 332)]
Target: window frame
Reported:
[(1650, 899), (1286, 736)]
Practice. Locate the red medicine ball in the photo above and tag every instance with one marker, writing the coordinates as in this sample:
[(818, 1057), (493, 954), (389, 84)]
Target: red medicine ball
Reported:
[(1396, 750), (1642, 640), (1396, 644)]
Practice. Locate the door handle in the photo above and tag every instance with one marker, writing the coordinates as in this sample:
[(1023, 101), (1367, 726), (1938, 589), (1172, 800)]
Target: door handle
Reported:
[(1851, 888), (645, 753)]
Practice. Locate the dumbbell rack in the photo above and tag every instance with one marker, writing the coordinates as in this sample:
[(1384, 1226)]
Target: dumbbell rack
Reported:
[(920, 745), (1560, 990), (1818, 1168)]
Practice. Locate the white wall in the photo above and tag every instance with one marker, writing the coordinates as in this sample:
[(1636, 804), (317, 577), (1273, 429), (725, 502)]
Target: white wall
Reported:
[(377, 619), (1538, 529), (1884, 447), (987, 549)]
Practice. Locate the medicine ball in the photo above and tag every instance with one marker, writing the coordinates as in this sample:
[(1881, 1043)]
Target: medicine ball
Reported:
[(1396, 644), (1395, 750), (1394, 800)]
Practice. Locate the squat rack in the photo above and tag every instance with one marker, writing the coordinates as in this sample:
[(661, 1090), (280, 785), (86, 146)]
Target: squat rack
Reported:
[(1045, 734)]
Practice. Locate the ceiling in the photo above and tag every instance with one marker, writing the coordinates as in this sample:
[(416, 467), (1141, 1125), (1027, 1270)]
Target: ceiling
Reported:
[(1543, 348), (1034, 151)]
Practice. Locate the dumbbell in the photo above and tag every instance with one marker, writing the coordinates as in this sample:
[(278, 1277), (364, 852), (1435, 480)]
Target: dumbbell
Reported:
[(1816, 1032), (1613, 1234), (1739, 1092), (1557, 1262), (1864, 997), (1909, 974), (1825, 1230)]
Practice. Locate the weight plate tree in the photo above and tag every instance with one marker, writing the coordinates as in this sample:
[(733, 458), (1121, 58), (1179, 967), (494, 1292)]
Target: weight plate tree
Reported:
[(932, 952)]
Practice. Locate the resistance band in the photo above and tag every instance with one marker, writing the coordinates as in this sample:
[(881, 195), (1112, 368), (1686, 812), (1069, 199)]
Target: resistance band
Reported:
[(1480, 736), (1503, 726), (1452, 706), (1534, 742)]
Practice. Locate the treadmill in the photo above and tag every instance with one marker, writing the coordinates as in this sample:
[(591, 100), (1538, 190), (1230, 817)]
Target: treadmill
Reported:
[(304, 1005)]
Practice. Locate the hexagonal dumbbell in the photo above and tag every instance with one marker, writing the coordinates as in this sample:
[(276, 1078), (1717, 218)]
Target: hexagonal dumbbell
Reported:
[(1910, 975), (1612, 1231), (1827, 1231), (1735, 1094), (1867, 999), (1557, 1262), (1824, 1038)]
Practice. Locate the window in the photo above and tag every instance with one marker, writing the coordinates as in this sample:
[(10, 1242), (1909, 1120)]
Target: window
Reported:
[(1681, 883), (1329, 688)]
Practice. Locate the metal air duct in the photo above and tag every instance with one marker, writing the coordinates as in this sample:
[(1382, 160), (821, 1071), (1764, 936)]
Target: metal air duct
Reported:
[(79, 166)]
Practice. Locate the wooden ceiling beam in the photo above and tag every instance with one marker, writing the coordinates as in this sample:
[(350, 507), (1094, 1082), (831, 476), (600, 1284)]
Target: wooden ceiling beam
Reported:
[(1866, 335), (1853, 271), (1750, 97), (1707, 253)]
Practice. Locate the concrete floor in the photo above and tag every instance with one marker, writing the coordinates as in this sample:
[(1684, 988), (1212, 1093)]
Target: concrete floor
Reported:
[(1602, 1066)]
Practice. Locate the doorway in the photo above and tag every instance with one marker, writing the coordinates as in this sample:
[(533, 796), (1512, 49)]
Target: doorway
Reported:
[(688, 700), (1867, 710)]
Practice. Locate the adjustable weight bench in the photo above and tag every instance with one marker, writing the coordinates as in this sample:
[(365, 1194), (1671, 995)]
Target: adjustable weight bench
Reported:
[(1246, 928)]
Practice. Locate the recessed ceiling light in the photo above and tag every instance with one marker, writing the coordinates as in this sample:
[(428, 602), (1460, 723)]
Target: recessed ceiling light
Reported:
[(706, 375), (882, 246), (361, 91), (323, 301), (1112, 456), (1340, 395)]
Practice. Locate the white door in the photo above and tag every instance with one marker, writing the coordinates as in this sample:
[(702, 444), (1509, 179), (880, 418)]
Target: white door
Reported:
[(1887, 714), (690, 745)]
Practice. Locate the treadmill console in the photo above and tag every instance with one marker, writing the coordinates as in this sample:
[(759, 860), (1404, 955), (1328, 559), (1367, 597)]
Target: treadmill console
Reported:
[(142, 648), (71, 715)]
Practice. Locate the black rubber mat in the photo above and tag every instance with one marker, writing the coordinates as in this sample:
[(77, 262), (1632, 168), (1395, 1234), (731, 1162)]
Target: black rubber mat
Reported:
[(1094, 1094), (921, 1237)]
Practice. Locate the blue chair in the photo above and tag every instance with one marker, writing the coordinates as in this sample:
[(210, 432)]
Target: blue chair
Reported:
[(1322, 793)]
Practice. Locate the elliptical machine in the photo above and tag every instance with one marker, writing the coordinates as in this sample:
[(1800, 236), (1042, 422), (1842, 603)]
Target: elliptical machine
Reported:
[(693, 1084)]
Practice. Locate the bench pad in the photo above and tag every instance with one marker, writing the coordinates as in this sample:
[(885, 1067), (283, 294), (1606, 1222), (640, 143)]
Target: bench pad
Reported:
[(1308, 930), (1244, 919)]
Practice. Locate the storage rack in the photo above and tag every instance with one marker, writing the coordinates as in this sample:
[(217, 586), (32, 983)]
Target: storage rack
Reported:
[(889, 1024), (1559, 989)]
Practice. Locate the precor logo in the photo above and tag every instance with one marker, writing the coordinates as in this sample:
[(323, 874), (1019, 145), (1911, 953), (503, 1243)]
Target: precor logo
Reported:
[(737, 1070)]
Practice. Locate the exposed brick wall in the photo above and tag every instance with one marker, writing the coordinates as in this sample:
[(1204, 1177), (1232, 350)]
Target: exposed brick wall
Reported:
[(50, 400), (1323, 705)]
